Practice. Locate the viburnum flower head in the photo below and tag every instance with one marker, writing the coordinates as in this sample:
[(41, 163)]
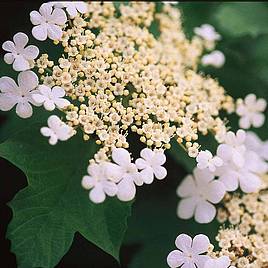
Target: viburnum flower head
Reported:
[(72, 7), (199, 192), (48, 22), (56, 130), (189, 252), (216, 59), (130, 175), (251, 111), (150, 165), (207, 32), (18, 54), (19, 95), (205, 159), (97, 181), (221, 262), (51, 98)]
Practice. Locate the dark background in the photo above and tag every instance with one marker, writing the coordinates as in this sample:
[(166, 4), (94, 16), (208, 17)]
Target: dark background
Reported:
[(83, 254)]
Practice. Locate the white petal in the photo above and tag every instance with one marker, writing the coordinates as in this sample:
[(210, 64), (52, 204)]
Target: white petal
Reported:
[(183, 242), (39, 32), (7, 85), (175, 259), (45, 10), (187, 187), (54, 32), (224, 152), (186, 208), (20, 64), (53, 122), (250, 100), (88, 182), (45, 90), (30, 52), (205, 212), (215, 191), (137, 178), (200, 244), (258, 120), (97, 194), (61, 103), (160, 172), (249, 182), (121, 156), (147, 154), (82, 7), (9, 58), (27, 80), (45, 131), (230, 180), (126, 190), (200, 260), (9, 46), (159, 158), (38, 98), (58, 92), (58, 17), (110, 188), (24, 110), (53, 139), (141, 163), (147, 175), (203, 176), (244, 122), (7, 102), (36, 18), (261, 105), (71, 9), (20, 40)]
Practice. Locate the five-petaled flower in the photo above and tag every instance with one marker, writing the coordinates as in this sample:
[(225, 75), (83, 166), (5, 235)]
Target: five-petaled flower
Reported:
[(51, 98), (98, 182), (129, 174), (189, 252), (48, 22), (150, 165), (199, 193), (205, 159), (251, 111), (19, 95), (56, 130), (207, 32), (18, 54)]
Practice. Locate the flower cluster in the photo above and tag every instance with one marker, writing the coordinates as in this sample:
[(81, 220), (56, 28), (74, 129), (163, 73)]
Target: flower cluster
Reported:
[(122, 176)]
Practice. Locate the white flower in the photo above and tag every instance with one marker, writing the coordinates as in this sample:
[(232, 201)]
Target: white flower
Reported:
[(48, 22), (251, 112), (233, 149), (198, 192), (130, 174), (19, 54), (221, 262), (189, 252), (255, 144), (205, 160), (56, 130), (19, 95), (207, 32), (151, 165), (51, 98), (99, 183), (72, 7), (216, 59), (245, 176)]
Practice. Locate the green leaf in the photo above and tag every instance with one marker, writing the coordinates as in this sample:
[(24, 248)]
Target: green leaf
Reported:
[(48, 212), (237, 19)]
